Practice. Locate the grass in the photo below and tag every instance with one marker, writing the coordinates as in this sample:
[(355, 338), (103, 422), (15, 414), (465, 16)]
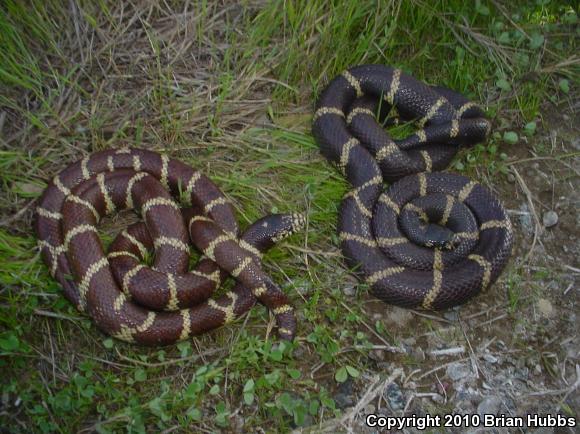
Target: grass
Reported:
[(230, 88)]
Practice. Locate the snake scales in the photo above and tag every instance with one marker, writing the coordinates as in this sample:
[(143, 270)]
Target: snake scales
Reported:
[(163, 303), (432, 239)]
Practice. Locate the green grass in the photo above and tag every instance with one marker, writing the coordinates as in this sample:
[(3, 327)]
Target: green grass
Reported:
[(230, 89)]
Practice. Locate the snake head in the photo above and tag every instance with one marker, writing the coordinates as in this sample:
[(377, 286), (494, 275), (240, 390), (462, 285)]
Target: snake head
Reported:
[(439, 237)]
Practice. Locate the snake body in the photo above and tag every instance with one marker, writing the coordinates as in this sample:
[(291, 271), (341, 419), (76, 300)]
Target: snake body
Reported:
[(431, 240), (163, 303)]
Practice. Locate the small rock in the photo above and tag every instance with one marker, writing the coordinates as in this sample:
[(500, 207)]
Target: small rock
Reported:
[(465, 396), (511, 178), (394, 397), (490, 405), (437, 399), (451, 315), (489, 358), (550, 218), (522, 373), (399, 316), (237, 422), (537, 369), (343, 401), (458, 371), (349, 290), (545, 308)]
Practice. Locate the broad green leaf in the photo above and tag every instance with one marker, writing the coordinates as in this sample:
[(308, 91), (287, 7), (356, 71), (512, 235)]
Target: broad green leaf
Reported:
[(341, 375), (249, 386), (530, 128), (140, 375), (503, 84), (536, 41), (510, 137), (352, 371), (10, 342), (249, 398)]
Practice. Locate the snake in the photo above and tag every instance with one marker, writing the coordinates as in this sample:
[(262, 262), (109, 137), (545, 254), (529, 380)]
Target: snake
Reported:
[(430, 240), (141, 289)]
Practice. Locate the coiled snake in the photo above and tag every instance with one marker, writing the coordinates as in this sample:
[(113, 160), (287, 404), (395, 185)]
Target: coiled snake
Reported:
[(431, 240), (164, 303)]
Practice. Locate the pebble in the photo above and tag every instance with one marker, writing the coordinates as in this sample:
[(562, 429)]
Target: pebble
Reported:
[(511, 178), (237, 423), (343, 400), (349, 290), (451, 315), (399, 316), (489, 358), (522, 373), (438, 399), (545, 307), (465, 395), (490, 405), (550, 218), (458, 371), (394, 396)]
